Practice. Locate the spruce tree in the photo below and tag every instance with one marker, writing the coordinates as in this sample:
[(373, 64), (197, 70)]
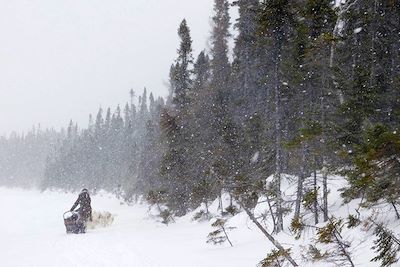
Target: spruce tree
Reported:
[(175, 124), (248, 67), (181, 72), (275, 23)]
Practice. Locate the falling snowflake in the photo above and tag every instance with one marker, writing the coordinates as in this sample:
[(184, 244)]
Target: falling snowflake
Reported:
[(255, 157)]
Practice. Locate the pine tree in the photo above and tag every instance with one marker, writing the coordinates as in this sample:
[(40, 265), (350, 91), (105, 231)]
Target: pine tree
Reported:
[(220, 66), (143, 103), (276, 18), (201, 71), (376, 169), (387, 245), (175, 124), (309, 75), (181, 72), (220, 234), (247, 65), (107, 122), (366, 68)]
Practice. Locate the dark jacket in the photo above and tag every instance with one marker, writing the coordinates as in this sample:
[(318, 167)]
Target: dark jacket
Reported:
[(85, 210)]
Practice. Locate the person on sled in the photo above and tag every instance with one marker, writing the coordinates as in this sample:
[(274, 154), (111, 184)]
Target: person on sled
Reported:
[(84, 210)]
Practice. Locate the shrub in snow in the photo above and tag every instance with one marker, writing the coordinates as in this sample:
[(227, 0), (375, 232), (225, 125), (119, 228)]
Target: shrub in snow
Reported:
[(220, 235), (232, 210), (334, 247), (276, 258), (157, 198), (297, 226), (201, 216), (353, 221), (315, 254), (309, 198), (331, 236), (167, 216)]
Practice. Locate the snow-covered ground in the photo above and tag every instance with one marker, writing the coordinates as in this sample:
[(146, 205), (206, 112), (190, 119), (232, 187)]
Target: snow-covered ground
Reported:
[(32, 233)]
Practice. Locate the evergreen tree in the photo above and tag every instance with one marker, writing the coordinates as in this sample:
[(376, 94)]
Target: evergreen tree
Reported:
[(376, 173), (201, 71), (248, 67), (176, 160), (181, 72), (276, 23), (220, 66)]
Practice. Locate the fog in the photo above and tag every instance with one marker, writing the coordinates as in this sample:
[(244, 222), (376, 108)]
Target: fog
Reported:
[(61, 60)]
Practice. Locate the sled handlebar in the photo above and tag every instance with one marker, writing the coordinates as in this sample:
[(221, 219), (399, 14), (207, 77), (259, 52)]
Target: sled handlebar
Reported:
[(68, 212)]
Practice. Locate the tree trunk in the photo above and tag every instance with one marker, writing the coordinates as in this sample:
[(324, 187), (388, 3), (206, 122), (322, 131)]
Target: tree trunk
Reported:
[(395, 209), (336, 34), (324, 151), (299, 194), (342, 247), (220, 208), (271, 211), (278, 139), (316, 219), (270, 237), (226, 235), (325, 189)]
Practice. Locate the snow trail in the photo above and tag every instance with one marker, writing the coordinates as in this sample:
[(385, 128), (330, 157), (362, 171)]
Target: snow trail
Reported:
[(33, 234)]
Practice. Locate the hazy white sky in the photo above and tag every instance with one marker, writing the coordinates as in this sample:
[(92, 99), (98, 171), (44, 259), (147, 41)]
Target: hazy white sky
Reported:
[(62, 59)]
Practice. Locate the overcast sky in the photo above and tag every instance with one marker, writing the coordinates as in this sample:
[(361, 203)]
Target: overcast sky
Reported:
[(62, 59)]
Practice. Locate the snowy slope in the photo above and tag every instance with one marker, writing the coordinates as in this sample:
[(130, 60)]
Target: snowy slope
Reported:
[(33, 234)]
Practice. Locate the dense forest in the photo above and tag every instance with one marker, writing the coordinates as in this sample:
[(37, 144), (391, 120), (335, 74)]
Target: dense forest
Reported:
[(313, 90), (23, 156)]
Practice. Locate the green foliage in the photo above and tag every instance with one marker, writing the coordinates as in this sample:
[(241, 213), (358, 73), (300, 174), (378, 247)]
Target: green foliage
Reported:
[(315, 254), (276, 258), (219, 223), (353, 221), (275, 17), (155, 197), (167, 216), (309, 198), (326, 234), (331, 234), (220, 235), (376, 173), (232, 210), (386, 245), (297, 227), (312, 130), (201, 216), (201, 193), (247, 190)]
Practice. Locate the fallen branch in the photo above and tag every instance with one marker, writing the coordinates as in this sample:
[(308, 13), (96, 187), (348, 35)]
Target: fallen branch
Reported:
[(269, 236)]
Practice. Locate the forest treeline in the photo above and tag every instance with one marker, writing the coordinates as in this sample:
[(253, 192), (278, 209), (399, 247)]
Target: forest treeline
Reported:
[(313, 89)]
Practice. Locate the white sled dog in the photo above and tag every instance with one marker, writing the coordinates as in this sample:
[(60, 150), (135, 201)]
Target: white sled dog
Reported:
[(100, 219)]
